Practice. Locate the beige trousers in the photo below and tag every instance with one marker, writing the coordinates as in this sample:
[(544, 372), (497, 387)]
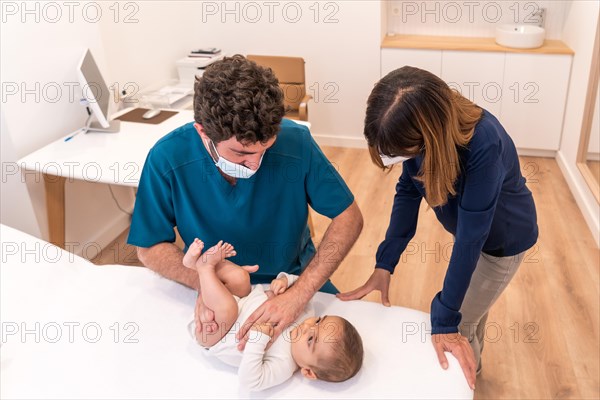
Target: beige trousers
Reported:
[(490, 278)]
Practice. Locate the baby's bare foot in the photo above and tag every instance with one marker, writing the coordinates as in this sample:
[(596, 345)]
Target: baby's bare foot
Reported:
[(191, 256), (216, 254)]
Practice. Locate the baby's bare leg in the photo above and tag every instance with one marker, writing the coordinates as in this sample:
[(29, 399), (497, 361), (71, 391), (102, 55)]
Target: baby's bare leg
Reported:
[(215, 295), (235, 278)]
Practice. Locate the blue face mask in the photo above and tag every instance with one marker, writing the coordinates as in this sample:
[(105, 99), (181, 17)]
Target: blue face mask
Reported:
[(232, 169)]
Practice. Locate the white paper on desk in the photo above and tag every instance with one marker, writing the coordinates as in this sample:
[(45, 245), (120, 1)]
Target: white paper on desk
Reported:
[(175, 93)]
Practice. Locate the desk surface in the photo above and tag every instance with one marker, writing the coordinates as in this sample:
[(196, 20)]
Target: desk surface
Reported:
[(114, 158)]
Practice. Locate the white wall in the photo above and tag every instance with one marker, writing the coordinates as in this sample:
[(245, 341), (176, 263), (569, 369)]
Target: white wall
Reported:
[(142, 50), (471, 18), (578, 34), (137, 43), (41, 46), (140, 44), (16, 209), (340, 44), (384, 19)]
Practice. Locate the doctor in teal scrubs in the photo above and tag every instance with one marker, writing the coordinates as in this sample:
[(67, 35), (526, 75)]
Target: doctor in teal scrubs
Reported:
[(243, 174)]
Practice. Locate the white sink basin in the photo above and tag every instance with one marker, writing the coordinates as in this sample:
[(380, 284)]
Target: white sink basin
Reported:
[(520, 36)]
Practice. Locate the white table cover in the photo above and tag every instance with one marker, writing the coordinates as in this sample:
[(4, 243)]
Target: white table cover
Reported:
[(73, 330)]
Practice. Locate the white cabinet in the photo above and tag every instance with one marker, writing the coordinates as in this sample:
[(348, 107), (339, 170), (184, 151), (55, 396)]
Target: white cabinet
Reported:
[(526, 92), (534, 97), (477, 76), (429, 60)]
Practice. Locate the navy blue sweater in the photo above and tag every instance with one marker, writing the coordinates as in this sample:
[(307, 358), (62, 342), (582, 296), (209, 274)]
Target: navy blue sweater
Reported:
[(493, 212)]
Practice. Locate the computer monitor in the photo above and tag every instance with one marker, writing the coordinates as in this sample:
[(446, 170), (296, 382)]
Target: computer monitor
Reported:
[(97, 94)]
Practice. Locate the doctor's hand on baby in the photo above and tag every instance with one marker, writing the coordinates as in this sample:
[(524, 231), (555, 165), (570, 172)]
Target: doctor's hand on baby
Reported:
[(265, 329), (279, 311), (278, 286)]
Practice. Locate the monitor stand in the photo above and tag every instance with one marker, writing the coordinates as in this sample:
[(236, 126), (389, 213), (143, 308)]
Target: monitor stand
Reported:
[(94, 126)]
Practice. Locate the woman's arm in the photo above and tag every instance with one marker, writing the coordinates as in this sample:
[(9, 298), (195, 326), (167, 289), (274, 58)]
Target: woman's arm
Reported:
[(402, 227), (403, 222), (483, 178)]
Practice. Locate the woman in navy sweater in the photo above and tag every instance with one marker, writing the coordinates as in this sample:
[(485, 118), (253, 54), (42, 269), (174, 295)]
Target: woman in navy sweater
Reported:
[(459, 158)]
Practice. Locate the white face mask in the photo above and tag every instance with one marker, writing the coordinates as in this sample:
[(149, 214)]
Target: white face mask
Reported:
[(232, 169), (387, 161)]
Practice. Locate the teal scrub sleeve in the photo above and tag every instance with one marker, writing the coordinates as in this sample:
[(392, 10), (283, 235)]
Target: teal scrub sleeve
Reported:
[(326, 191), (153, 216)]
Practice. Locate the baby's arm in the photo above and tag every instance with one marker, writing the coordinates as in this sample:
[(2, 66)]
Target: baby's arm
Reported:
[(282, 282), (259, 370)]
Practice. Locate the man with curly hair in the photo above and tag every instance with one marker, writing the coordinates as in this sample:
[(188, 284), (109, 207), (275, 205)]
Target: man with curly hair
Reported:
[(242, 173)]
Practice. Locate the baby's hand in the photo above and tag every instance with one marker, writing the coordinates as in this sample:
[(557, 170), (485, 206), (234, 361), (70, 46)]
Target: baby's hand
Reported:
[(279, 285), (191, 256), (266, 329)]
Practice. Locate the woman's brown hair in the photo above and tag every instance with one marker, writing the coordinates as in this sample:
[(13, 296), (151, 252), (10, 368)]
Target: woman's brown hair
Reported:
[(410, 112)]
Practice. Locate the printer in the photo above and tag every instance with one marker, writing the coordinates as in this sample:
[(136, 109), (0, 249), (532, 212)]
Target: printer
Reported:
[(190, 67)]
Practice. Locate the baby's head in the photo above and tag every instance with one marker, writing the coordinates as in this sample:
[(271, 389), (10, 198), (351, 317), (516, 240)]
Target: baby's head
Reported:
[(327, 348)]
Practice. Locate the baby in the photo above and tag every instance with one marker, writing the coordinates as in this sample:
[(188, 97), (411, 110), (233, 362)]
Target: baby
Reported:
[(327, 348)]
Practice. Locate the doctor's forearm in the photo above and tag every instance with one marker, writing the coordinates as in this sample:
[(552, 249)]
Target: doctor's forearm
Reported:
[(167, 260), (337, 242)]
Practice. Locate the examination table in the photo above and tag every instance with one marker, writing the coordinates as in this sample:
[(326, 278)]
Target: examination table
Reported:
[(73, 330)]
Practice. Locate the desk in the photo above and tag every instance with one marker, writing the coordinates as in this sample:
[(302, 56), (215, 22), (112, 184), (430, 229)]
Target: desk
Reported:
[(111, 158)]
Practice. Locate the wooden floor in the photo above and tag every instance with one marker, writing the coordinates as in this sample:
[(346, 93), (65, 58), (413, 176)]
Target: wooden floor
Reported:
[(543, 333)]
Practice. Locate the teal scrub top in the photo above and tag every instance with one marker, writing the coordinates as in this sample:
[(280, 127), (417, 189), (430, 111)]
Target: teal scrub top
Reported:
[(264, 216)]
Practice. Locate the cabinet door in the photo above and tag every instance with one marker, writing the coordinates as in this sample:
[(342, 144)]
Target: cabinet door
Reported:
[(429, 60), (477, 75), (533, 104)]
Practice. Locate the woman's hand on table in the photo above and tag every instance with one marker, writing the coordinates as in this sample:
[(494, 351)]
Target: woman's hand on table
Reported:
[(379, 280), (460, 348)]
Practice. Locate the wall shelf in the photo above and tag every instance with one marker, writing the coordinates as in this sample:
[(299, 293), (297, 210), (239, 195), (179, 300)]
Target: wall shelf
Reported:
[(464, 43)]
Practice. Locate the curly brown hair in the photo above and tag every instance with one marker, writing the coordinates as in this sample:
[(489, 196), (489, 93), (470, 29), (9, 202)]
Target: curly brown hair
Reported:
[(237, 97)]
